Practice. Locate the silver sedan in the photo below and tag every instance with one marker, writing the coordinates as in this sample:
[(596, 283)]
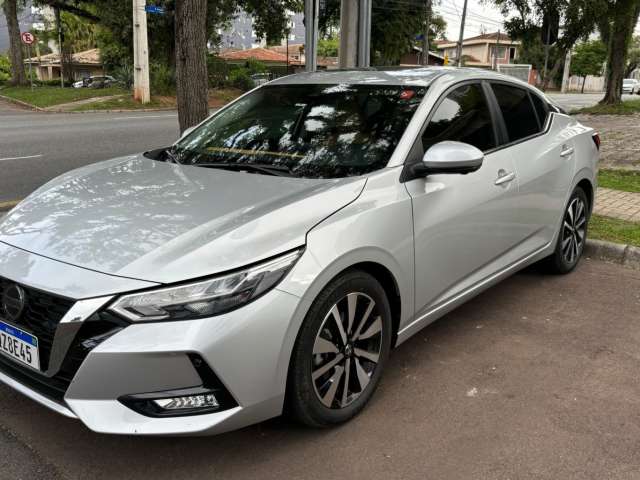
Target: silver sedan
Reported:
[(275, 254)]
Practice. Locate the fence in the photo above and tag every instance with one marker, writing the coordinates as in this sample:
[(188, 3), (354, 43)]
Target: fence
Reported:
[(591, 84)]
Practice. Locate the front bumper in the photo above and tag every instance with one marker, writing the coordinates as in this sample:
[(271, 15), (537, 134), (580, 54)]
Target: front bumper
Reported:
[(248, 350)]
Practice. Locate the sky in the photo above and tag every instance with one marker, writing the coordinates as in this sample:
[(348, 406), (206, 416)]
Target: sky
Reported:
[(479, 16)]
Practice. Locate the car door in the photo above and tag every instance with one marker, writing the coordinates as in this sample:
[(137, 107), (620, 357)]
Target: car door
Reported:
[(463, 224), (541, 150)]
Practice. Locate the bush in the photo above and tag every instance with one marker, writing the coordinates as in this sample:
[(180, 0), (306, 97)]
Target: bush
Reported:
[(162, 79), (124, 75), (241, 78), (5, 69), (218, 72)]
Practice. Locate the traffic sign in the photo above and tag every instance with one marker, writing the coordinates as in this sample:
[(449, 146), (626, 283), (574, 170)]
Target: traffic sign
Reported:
[(28, 38), (154, 9)]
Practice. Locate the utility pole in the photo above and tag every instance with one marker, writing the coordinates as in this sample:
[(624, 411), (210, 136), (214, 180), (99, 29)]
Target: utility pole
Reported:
[(311, 14), (425, 40), (461, 38), (496, 52), (566, 73), (59, 28), (141, 90)]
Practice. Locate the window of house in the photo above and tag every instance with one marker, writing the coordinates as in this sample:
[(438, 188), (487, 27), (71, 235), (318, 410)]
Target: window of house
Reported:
[(517, 111), (463, 116)]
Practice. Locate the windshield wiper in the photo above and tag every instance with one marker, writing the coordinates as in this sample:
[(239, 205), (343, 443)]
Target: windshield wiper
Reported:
[(276, 170)]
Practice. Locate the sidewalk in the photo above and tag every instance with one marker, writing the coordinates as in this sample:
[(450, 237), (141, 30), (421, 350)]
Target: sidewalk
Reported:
[(618, 204)]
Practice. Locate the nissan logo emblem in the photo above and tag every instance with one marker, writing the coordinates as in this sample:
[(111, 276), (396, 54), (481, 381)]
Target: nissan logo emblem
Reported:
[(13, 301)]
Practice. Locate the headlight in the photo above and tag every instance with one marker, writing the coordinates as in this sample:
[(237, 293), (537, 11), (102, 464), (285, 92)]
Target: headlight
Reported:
[(208, 297)]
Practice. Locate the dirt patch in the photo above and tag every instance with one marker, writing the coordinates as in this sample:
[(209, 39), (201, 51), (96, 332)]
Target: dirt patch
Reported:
[(620, 135)]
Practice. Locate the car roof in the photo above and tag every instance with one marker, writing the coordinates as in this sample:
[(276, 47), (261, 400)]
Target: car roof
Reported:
[(422, 76)]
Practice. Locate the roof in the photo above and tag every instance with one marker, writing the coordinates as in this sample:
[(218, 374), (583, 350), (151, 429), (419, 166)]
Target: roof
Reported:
[(88, 57), (422, 76), (479, 39), (261, 54)]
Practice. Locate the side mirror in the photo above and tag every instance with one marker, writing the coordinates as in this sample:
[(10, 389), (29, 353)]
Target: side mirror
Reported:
[(449, 157)]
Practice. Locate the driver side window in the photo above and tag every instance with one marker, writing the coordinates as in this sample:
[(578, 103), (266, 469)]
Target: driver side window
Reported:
[(463, 116)]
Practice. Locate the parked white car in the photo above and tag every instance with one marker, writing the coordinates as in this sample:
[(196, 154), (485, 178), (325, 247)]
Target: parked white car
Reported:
[(631, 86)]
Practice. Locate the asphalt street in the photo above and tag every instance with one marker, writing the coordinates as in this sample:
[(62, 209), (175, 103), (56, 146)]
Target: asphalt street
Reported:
[(36, 147), (537, 378)]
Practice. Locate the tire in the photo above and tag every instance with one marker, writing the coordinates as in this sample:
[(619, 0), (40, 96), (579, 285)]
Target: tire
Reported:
[(321, 359), (572, 235)]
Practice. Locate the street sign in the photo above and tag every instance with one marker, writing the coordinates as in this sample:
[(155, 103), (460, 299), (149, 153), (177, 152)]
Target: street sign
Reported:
[(154, 9), (28, 38)]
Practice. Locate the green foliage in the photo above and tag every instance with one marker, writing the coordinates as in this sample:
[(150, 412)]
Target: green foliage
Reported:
[(394, 27), (328, 47), (162, 79), (633, 61), (589, 58), (241, 78), (255, 66), (218, 71), (5, 69), (123, 75)]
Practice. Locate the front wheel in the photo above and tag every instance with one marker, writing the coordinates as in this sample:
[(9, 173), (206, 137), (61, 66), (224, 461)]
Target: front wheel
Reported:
[(341, 350), (573, 234)]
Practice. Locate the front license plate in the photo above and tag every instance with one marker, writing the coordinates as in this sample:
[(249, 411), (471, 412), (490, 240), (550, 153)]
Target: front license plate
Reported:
[(19, 345)]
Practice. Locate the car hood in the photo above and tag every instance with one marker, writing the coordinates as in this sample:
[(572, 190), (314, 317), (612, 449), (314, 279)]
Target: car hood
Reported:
[(149, 220)]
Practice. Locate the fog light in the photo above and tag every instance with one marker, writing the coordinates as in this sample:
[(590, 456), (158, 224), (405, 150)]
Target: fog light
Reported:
[(188, 402)]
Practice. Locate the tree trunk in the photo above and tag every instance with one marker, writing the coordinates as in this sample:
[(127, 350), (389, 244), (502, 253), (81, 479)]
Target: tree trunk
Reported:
[(554, 71), (18, 76), (625, 16), (191, 62), (584, 80)]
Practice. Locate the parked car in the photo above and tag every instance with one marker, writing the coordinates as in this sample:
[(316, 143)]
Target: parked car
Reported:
[(99, 81), (276, 253), (260, 78), (630, 86)]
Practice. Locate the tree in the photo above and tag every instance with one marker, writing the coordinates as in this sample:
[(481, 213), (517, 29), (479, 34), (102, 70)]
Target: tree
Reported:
[(577, 17), (10, 10), (395, 26), (617, 31), (191, 62), (589, 59), (5, 69), (328, 47)]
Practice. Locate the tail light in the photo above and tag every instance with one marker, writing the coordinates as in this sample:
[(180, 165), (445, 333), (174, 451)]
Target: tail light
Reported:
[(596, 140)]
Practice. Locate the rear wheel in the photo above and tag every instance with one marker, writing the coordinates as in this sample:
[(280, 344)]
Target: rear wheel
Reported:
[(573, 234), (341, 351)]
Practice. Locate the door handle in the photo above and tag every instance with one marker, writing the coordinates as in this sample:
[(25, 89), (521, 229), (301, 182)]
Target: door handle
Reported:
[(566, 151), (504, 177)]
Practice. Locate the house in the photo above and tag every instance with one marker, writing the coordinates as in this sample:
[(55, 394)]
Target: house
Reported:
[(272, 57), (484, 51), (83, 64), (414, 57)]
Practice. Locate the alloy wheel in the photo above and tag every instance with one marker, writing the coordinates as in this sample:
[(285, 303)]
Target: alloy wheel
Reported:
[(346, 350), (574, 230)]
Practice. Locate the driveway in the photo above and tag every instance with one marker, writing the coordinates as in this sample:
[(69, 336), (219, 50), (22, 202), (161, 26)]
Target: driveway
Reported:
[(536, 378)]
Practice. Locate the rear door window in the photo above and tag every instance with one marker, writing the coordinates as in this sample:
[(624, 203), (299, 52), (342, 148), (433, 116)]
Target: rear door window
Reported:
[(541, 109), (463, 116), (517, 111)]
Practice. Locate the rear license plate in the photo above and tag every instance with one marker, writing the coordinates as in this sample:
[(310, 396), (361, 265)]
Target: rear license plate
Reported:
[(19, 345)]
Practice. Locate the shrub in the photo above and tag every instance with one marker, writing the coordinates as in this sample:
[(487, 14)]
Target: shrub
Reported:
[(162, 79), (218, 72), (124, 75), (241, 78), (4, 69)]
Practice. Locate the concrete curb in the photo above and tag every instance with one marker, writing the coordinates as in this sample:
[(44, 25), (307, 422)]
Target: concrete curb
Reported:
[(22, 104), (626, 255)]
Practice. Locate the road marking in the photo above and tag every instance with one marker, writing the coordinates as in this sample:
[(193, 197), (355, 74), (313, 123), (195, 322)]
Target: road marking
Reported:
[(143, 117), (20, 158), (9, 204)]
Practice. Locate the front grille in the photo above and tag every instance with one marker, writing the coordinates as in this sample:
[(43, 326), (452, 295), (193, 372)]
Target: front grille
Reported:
[(40, 317)]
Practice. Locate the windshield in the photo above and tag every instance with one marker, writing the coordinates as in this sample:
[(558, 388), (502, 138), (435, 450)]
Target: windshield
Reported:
[(313, 131), (628, 81)]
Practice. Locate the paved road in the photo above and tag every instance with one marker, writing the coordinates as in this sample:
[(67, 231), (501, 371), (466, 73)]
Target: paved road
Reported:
[(574, 101), (35, 147), (536, 378)]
